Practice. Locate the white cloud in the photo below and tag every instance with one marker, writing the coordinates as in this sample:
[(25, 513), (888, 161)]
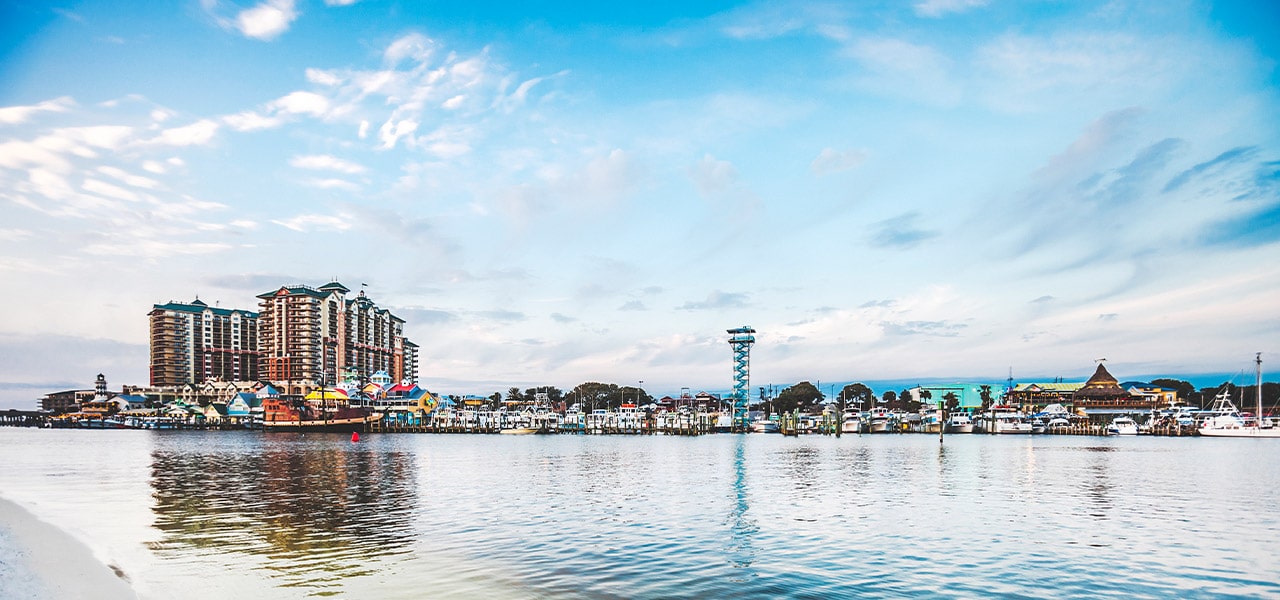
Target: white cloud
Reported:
[(332, 184), (129, 178), (324, 162), (251, 121), (415, 45), (301, 103), (831, 161), (194, 134), (453, 102), (938, 8), (108, 137), (12, 115), (267, 20), (518, 97), (101, 188), (322, 77), (144, 248), (713, 176), (363, 132), (307, 223), (391, 133), (446, 142)]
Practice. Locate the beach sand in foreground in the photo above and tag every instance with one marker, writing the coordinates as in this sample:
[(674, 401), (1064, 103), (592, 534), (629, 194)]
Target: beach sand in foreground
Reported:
[(38, 561)]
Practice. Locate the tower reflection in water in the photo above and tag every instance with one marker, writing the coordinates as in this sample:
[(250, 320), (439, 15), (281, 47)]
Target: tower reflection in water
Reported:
[(310, 510)]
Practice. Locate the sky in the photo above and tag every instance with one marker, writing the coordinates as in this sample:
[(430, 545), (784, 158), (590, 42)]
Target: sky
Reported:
[(552, 193)]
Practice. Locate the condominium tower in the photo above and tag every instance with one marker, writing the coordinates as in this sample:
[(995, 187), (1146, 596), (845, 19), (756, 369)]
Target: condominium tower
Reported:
[(314, 335), (194, 343)]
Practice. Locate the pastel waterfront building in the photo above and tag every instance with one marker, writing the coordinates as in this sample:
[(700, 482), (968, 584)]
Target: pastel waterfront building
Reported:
[(314, 335), (195, 342)]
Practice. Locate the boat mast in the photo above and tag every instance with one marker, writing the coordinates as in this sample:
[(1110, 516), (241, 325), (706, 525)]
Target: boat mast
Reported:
[(1258, 360)]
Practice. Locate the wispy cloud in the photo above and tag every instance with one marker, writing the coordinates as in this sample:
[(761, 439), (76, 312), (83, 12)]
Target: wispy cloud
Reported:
[(308, 223), (717, 300), (325, 162), (926, 328), (902, 69), (940, 8), (832, 161), (199, 133), (12, 115), (902, 232), (1230, 157)]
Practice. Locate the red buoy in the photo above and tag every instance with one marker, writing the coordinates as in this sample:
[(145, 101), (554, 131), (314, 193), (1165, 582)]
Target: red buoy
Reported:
[(355, 436)]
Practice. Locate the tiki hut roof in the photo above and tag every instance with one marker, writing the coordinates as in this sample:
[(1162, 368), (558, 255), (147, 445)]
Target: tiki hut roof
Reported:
[(1101, 385)]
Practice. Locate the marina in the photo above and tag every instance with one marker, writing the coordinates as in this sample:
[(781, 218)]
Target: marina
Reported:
[(295, 515)]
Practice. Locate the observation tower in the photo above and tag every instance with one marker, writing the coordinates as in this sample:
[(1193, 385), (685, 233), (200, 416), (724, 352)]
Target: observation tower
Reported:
[(741, 340)]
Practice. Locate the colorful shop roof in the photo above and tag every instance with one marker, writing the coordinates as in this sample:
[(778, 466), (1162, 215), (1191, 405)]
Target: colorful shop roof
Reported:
[(326, 393)]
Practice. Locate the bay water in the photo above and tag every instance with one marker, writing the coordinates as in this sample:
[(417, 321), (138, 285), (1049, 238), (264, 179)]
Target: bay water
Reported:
[(230, 514)]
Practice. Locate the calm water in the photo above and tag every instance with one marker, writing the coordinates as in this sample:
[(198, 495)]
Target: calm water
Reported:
[(216, 515)]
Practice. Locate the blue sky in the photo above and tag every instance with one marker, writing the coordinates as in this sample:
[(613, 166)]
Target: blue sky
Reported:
[(563, 193)]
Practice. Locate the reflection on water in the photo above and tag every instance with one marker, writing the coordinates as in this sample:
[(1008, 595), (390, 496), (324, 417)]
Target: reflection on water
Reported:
[(725, 516), (309, 511), (742, 527)]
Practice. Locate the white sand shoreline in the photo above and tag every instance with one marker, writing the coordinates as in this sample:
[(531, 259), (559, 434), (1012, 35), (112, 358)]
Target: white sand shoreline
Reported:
[(38, 561)]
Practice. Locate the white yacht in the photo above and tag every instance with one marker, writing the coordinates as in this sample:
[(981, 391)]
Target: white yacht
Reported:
[(764, 426), (1229, 423), (1005, 420), (851, 422), (1122, 425), (878, 420), (960, 423)]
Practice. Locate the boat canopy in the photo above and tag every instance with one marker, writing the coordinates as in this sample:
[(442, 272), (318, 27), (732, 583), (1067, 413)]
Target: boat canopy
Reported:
[(327, 393)]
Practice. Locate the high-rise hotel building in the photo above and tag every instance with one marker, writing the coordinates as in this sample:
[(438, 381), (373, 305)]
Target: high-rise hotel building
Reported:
[(194, 343), (312, 335)]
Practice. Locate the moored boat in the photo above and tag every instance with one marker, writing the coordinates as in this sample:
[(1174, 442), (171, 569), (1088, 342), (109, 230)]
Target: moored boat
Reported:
[(326, 410), (765, 426), (1002, 420), (851, 422), (1229, 423), (1122, 425), (878, 420), (959, 423)]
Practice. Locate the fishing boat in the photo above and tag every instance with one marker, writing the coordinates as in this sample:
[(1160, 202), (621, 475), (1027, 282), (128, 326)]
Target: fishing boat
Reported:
[(321, 410), (1229, 423)]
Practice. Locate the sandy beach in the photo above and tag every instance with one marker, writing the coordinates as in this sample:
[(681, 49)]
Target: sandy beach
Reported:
[(39, 561)]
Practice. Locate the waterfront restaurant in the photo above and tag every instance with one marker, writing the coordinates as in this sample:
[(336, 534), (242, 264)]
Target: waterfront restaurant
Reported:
[(1035, 396), (1102, 399)]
